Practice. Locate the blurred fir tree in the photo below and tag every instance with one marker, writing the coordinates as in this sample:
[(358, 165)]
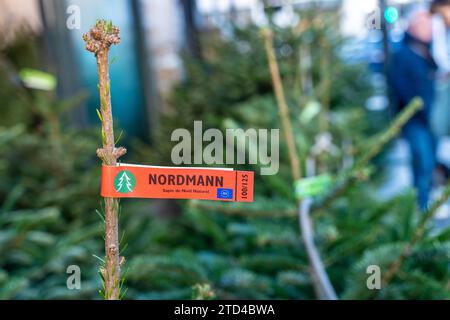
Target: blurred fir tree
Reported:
[(48, 187)]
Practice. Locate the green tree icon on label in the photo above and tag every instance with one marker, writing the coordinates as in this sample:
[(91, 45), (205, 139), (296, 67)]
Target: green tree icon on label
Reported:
[(124, 182)]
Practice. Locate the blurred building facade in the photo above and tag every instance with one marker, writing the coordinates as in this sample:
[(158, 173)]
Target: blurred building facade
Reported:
[(143, 68), (13, 13)]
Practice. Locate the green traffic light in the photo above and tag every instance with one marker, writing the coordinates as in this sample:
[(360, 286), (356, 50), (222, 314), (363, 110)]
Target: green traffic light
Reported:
[(391, 15)]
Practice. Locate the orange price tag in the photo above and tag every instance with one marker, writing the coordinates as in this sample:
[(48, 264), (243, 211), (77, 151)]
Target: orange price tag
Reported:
[(138, 181)]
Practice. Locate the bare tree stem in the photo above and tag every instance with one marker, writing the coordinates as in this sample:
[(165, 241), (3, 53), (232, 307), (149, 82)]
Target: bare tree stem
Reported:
[(282, 105), (322, 285), (98, 41), (319, 277)]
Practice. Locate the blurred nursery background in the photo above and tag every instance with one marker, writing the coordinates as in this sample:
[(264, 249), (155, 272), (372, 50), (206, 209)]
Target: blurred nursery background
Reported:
[(346, 73)]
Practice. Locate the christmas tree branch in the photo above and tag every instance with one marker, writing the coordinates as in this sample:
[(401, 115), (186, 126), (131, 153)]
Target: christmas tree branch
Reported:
[(319, 277), (98, 40), (350, 177), (394, 129), (416, 237)]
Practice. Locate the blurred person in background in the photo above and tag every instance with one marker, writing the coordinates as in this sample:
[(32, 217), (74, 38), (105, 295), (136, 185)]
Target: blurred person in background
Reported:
[(412, 74), (441, 54)]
